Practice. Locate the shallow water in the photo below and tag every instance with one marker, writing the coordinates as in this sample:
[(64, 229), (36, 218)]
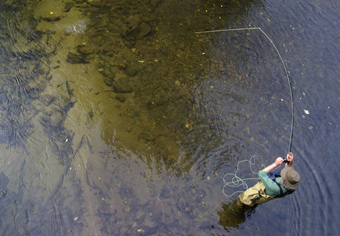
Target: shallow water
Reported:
[(118, 119)]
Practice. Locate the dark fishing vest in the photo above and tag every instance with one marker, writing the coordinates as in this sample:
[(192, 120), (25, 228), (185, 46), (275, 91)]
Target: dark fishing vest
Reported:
[(273, 175)]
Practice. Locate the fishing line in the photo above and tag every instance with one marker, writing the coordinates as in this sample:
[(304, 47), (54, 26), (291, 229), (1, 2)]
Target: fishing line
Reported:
[(236, 180)]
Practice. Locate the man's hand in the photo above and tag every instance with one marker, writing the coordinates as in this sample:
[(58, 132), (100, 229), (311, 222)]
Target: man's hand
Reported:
[(290, 158), (279, 161)]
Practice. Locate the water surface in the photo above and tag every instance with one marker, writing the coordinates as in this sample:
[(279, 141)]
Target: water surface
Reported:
[(119, 119)]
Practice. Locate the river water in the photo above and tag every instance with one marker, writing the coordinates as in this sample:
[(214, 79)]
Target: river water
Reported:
[(117, 118)]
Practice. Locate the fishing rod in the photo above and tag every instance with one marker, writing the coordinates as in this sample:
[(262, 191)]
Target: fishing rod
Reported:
[(284, 67)]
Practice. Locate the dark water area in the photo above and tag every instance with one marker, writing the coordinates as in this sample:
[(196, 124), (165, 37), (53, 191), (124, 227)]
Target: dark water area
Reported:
[(118, 118)]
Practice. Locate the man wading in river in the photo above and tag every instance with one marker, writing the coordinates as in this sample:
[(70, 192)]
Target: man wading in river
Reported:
[(272, 185)]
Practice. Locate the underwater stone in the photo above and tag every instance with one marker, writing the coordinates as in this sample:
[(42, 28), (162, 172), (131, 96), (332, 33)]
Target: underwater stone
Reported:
[(68, 6), (154, 3), (130, 71), (95, 3), (33, 89), (122, 85), (53, 116), (51, 18), (148, 223), (140, 43), (145, 29), (108, 82), (121, 98), (47, 99), (133, 21), (37, 35), (76, 58)]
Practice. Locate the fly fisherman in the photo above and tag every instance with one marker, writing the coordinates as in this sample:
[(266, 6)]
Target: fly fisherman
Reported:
[(272, 184)]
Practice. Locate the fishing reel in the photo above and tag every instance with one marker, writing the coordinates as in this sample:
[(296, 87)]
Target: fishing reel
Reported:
[(285, 160)]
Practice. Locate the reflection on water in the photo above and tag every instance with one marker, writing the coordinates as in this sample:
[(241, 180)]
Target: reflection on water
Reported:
[(117, 119), (233, 215)]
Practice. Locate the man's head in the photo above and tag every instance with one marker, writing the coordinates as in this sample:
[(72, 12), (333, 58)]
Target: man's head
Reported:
[(290, 178)]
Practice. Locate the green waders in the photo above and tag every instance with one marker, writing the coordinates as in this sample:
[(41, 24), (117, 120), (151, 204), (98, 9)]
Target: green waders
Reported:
[(255, 195)]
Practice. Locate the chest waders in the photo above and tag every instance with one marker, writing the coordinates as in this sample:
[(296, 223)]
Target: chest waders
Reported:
[(256, 195)]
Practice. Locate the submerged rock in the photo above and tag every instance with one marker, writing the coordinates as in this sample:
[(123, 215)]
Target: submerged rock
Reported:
[(108, 82), (47, 99), (37, 35), (94, 3), (68, 6), (130, 70), (154, 3), (121, 98), (133, 22), (107, 210), (53, 116), (51, 18), (145, 29), (140, 43), (74, 58), (122, 85), (148, 223), (33, 89)]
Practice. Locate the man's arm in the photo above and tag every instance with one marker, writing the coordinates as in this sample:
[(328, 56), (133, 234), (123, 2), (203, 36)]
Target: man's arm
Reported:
[(277, 162)]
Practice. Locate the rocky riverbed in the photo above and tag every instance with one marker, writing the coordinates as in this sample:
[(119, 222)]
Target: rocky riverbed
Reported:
[(94, 82)]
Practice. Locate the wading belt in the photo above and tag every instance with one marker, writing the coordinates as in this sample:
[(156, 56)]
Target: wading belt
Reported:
[(257, 198)]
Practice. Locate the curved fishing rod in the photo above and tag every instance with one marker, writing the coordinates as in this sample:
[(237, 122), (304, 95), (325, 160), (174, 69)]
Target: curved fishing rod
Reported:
[(284, 67)]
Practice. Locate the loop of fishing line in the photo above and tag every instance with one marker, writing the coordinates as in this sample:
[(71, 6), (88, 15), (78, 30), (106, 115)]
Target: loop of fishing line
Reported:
[(236, 181)]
